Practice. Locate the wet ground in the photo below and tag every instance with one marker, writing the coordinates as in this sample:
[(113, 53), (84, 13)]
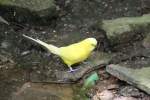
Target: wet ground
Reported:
[(76, 21)]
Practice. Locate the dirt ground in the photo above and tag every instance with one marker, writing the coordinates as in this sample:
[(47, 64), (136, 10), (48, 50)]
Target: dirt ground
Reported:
[(76, 21)]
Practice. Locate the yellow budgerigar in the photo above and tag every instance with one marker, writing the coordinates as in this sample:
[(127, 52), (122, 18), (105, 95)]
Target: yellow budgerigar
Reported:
[(70, 54)]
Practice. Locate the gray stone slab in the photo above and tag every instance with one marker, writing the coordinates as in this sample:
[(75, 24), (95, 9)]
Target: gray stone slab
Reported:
[(34, 91), (31, 7), (124, 29), (137, 77), (96, 60)]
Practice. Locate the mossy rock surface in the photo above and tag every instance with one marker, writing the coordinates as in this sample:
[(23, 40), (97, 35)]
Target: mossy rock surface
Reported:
[(24, 10), (137, 77), (124, 29)]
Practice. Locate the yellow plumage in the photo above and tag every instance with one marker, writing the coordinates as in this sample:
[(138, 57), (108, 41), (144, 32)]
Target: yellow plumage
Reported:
[(73, 53)]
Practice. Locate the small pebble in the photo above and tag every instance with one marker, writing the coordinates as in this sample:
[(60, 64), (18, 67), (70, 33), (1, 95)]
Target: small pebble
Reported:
[(112, 86), (105, 95), (124, 98), (25, 53)]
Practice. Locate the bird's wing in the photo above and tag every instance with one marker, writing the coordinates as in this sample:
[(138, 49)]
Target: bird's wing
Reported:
[(74, 53)]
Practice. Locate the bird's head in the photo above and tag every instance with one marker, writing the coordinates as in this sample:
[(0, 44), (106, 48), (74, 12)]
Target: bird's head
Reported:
[(91, 43)]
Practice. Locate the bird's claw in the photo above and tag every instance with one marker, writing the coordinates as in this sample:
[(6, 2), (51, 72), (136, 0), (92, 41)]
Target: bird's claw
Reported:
[(72, 70)]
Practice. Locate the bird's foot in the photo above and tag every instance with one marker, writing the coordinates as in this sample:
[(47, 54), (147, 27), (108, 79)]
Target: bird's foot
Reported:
[(72, 70)]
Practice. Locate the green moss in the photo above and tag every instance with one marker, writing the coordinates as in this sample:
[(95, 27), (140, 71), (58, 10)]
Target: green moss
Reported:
[(34, 5), (124, 27)]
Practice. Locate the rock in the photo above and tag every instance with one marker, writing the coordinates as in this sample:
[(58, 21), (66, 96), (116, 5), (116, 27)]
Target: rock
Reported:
[(146, 41), (105, 95), (99, 58), (95, 97), (130, 91), (124, 29), (5, 44), (112, 86), (25, 53), (124, 98), (29, 8), (95, 61), (136, 77), (3, 20), (3, 59), (35, 91), (145, 6)]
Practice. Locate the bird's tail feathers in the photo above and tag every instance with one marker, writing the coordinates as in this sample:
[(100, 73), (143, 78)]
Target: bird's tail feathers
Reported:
[(53, 49)]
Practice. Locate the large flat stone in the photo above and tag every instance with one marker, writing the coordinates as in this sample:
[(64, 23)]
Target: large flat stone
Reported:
[(30, 4), (96, 60), (145, 6), (137, 77), (28, 10), (34, 91), (124, 29)]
